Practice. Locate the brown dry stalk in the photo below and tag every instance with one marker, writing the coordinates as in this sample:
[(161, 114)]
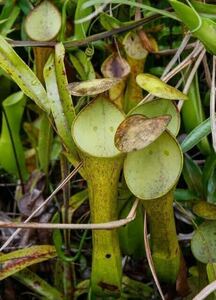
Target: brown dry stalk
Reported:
[(109, 225), (149, 258)]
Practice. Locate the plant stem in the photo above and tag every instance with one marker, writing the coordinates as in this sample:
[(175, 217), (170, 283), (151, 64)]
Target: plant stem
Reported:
[(165, 247), (102, 178)]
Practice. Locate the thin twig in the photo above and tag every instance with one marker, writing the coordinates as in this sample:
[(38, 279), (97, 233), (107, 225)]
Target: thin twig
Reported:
[(207, 71), (212, 106), (99, 226), (61, 185), (191, 76), (167, 52), (149, 258), (87, 40), (177, 55)]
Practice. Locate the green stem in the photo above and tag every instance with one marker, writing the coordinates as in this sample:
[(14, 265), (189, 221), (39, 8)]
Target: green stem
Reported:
[(102, 178), (165, 247)]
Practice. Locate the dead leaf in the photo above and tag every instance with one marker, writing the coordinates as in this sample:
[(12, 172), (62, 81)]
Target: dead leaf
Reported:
[(115, 66), (137, 132), (92, 87), (18, 260)]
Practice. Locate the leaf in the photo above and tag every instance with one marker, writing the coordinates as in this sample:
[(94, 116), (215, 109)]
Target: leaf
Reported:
[(192, 113), (92, 87), (205, 210), (161, 107), (208, 170), (204, 8), (62, 82), (109, 22), (158, 88), (202, 28), (18, 260), (13, 106), (135, 4), (134, 289), (37, 284), (45, 139), (211, 188), (185, 195), (43, 23), (137, 132), (196, 135), (95, 126), (81, 28), (193, 175), (24, 77), (5, 27), (82, 65), (152, 172), (211, 271), (203, 243), (61, 122)]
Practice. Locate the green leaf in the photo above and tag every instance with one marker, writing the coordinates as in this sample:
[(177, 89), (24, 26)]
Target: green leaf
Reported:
[(202, 28), (203, 243), (38, 285), (211, 271), (80, 29), (132, 3), (109, 22), (193, 175), (204, 8), (196, 135), (18, 260), (82, 65), (208, 170), (45, 143), (62, 83), (5, 27), (24, 77), (61, 122), (13, 107), (192, 113), (158, 88), (137, 132), (185, 195)]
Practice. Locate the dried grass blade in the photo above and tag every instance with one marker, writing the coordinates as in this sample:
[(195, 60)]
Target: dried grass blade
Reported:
[(149, 258)]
